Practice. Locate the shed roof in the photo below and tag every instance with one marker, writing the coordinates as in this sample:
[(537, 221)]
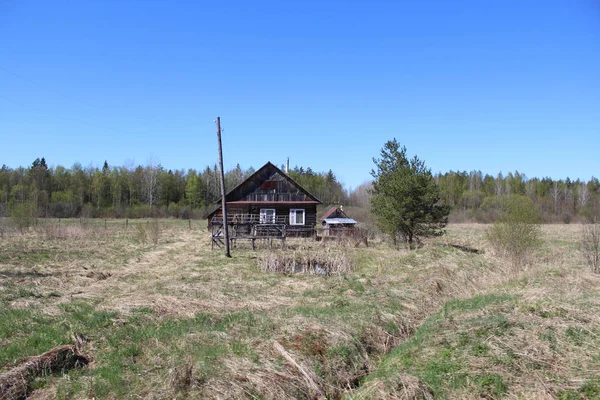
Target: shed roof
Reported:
[(333, 221)]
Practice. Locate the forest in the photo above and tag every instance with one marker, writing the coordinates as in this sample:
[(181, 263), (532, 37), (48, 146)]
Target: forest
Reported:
[(153, 191)]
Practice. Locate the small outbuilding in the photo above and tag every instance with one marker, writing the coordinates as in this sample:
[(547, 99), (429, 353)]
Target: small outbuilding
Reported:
[(335, 222)]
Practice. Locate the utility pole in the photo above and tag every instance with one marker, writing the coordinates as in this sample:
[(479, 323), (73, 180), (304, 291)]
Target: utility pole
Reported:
[(223, 202)]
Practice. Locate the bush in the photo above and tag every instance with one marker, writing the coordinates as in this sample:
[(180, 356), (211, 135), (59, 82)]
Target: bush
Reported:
[(23, 215), (148, 232), (517, 231), (590, 245), (154, 231), (141, 234)]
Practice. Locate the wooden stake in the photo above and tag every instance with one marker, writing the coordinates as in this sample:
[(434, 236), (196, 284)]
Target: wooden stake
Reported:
[(223, 202)]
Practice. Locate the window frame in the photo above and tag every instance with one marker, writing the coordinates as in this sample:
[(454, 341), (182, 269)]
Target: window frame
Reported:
[(293, 213), (263, 216)]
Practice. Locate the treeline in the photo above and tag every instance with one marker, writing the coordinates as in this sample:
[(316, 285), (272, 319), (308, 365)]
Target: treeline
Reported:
[(153, 191), (133, 191), (323, 185), (476, 197)]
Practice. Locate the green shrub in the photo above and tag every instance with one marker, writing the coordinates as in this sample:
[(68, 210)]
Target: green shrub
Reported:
[(23, 215), (517, 231)]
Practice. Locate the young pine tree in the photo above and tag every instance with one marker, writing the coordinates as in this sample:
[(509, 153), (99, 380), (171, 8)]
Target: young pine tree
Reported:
[(405, 197)]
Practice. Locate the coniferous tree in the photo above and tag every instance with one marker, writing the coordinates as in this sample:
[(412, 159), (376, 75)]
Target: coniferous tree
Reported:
[(406, 199)]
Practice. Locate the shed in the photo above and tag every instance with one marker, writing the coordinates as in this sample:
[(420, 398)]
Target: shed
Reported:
[(335, 222)]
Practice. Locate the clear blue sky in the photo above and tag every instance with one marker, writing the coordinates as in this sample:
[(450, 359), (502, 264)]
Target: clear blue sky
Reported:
[(489, 85)]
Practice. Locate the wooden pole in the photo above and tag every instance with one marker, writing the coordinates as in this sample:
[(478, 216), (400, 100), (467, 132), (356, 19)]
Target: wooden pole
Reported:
[(223, 202)]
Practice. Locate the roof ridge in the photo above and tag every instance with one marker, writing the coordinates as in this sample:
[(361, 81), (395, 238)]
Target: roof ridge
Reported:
[(278, 170)]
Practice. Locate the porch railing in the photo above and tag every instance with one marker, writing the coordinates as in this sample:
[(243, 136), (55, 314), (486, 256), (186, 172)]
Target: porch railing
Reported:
[(250, 219), (276, 197)]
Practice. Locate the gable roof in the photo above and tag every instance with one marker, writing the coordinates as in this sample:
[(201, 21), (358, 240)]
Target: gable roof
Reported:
[(257, 178), (334, 210), (328, 213)]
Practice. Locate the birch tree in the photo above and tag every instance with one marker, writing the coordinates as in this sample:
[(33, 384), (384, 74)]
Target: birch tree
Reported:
[(150, 181)]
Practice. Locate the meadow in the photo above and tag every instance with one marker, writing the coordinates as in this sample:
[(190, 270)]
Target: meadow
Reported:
[(166, 317)]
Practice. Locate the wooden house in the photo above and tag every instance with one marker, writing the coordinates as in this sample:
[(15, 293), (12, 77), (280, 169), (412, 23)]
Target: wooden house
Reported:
[(267, 204), (335, 222)]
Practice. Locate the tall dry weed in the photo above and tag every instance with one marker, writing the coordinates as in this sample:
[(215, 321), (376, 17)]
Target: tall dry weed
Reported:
[(590, 245), (66, 231), (154, 231), (141, 234), (150, 232), (305, 262)]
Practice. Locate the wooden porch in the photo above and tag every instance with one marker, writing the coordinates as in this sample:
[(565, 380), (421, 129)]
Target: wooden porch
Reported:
[(251, 227)]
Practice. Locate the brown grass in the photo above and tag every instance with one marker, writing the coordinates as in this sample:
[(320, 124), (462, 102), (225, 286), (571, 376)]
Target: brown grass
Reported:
[(342, 329), (306, 262)]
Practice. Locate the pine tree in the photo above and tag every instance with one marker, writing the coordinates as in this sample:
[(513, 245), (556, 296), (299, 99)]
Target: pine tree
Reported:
[(406, 199)]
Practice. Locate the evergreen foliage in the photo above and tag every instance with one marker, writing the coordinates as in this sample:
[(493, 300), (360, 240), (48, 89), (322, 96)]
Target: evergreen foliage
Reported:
[(130, 191), (150, 190), (406, 199)]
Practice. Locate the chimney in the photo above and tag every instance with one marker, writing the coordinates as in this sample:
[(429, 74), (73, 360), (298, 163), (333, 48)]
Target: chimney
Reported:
[(287, 166)]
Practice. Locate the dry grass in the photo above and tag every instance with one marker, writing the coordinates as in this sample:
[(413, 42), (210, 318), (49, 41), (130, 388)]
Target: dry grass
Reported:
[(536, 343), (324, 263), (174, 319)]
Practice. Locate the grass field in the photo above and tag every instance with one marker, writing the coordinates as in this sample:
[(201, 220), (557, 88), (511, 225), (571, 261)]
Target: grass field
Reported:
[(169, 318)]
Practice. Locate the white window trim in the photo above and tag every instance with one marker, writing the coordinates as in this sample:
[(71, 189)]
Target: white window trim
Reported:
[(263, 216), (293, 212)]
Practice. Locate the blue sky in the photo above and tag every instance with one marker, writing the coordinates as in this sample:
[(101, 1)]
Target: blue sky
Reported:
[(489, 85)]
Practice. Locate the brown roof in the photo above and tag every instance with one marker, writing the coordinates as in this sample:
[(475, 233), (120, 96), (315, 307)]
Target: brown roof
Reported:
[(269, 166), (328, 213)]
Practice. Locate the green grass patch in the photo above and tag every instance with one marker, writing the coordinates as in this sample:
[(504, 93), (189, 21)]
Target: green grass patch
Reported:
[(122, 343), (589, 390), (439, 359)]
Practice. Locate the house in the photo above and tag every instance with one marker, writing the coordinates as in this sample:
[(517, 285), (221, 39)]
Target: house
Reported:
[(268, 204), (335, 222)]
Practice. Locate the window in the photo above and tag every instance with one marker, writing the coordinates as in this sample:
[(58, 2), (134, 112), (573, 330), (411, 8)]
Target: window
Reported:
[(297, 216), (267, 215)]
